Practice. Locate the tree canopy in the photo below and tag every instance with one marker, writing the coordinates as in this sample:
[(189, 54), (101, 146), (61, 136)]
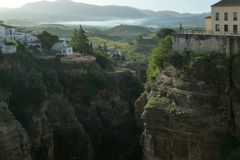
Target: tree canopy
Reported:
[(47, 41), (80, 42), (164, 32), (158, 56)]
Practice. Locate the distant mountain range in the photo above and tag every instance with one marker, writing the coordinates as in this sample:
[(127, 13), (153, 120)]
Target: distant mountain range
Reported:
[(66, 10)]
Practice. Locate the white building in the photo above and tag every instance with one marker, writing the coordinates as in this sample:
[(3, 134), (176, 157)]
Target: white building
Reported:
[(222, 31), (8, 49), (62, 48), (9, 33), (30, 40), (2, 31)]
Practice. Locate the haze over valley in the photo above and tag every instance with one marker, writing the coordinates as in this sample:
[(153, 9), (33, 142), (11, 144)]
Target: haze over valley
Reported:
[(71, 13)]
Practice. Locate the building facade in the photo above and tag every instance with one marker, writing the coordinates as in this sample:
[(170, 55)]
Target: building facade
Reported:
[(62, 48), (2, 32), (222, 31), (225, 18)]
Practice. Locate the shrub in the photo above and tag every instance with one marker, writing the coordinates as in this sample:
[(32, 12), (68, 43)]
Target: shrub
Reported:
[(236, 71), (164, 32), (232, 149), (158, 57), (102, 59), (12, 43), (51, 80)]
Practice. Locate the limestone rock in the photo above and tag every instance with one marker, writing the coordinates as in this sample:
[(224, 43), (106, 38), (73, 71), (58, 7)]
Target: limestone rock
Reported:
[(69, 137), (184, 118), (14, 141)]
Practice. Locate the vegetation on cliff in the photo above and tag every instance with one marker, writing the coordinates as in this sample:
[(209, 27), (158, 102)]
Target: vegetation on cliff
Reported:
[(97, 100), (158, 57), (176, 83)]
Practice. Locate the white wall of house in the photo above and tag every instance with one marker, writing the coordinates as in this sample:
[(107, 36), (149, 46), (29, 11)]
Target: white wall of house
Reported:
[(62, 48), (2, 32), (30, 38), (9, 49), (10, 31), (24, 37)]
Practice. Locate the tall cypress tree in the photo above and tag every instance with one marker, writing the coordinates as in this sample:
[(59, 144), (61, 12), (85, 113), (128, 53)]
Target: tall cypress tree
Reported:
[(80, 42)]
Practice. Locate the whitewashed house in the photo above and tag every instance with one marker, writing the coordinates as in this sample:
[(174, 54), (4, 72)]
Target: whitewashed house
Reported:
[(2, 31), (6, 30), (29, 39), (9, 33), (9, 49), (62, 48)]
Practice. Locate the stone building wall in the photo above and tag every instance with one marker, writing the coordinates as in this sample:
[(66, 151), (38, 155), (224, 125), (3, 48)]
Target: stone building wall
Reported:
[(230, 10), (206, 43)]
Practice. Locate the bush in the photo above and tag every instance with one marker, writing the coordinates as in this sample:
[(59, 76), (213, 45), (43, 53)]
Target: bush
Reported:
[(236, 71), (102, 59), (232, 149), (164, 32), (12, 43), (158, 57), (51, 80), (4, 95)]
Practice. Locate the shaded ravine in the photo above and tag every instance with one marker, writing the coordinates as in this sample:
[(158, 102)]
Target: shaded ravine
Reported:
[(68, 111)]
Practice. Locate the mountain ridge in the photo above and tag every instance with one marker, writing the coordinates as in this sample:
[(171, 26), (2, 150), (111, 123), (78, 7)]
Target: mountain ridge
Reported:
[(67, 10)]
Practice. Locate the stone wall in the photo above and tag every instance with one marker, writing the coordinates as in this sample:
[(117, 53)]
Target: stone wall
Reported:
[(206, 43), (221, 22)]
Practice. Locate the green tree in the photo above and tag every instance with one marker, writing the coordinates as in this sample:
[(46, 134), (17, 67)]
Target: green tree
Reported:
[(47, 41), (164, 32), (80, 42), (158, 57), (105, 48), (102, 59)]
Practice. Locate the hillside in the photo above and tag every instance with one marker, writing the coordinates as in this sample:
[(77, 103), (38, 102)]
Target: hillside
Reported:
[(129, 30), (69, 11), (63, 10)]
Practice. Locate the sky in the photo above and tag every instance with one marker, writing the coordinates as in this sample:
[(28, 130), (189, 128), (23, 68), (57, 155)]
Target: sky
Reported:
[(183, 6)]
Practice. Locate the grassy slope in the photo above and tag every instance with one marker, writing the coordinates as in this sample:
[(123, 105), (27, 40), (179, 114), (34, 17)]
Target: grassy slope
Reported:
[(123, 37)]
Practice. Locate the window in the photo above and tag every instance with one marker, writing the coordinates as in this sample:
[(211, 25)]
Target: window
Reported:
[(217, 28), (225, 28), (226, 16), (235, 29), (235, 16), (217, 16)]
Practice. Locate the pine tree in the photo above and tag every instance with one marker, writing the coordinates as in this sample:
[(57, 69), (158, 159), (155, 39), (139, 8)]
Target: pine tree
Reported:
[(80, 42)]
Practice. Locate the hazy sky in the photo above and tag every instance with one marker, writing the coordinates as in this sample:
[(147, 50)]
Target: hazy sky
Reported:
[(194, 6)]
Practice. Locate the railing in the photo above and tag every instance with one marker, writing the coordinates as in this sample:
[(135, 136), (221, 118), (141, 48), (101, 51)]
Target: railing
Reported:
[(189, 31), (203, 32)]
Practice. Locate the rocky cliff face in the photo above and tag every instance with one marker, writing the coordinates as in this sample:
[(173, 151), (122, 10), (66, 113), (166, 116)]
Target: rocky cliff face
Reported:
[(14, 140), (188, 115), (70, 140), (66, 111)]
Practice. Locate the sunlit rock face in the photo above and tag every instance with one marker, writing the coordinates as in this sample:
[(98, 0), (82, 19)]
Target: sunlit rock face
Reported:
[(187, 115)]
